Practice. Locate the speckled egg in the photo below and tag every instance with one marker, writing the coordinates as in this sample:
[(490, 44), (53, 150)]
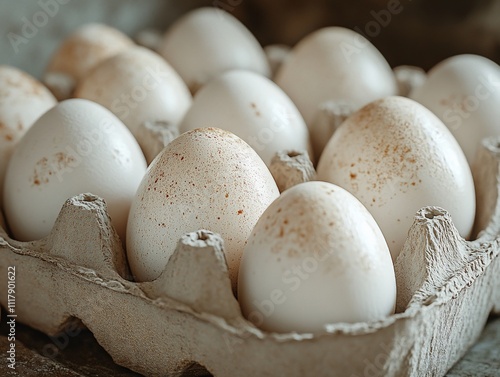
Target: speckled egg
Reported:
[(79, 53), (76, 147), (315, 257), (22, 100), (205, 179), (396, 156), (138, 86)]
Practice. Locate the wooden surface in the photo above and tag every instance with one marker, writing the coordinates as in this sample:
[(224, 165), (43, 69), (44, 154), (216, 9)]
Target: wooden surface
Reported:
[(483, 359), (82, 356)]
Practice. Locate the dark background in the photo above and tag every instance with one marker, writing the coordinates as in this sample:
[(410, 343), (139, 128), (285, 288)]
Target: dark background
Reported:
[(422, 33)]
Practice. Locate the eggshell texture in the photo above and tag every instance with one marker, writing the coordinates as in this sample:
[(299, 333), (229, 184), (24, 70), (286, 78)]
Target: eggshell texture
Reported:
[(253, 108), (464, 92), (334, 64), (315, 257), (22, 100), (85, 48), (207, 42), (204, 179), (396, 156), (138, 86), (76, 147)]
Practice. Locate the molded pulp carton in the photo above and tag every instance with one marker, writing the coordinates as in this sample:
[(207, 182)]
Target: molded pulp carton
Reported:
[(188, 321)]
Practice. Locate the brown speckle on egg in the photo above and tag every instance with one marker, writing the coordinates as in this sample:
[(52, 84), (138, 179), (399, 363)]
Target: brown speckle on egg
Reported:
[(322, 258), (216, 182), (397, 145)]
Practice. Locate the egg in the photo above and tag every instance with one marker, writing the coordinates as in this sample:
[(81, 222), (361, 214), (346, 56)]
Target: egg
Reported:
[(22, 100), (79, 52), (396, 156), (464, 92), (334, 64), (315, 257), (76, 147), (138, 86), (208, 41), (253, 108), (205, 179)]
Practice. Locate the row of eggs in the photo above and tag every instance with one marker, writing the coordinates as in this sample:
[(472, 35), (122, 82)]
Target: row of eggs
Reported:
[(320, 252)]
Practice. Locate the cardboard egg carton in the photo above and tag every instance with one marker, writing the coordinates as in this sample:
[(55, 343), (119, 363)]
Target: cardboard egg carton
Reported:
[(188, 321)]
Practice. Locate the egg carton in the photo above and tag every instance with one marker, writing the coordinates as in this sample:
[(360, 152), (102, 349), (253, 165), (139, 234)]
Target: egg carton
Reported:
[(188, 322)]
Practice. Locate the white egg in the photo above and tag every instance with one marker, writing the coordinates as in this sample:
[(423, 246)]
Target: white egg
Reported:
[(205, 179), (207, 42), (138, 86), (464, 92), (254, 109), (79, 53), (396, 156), (76, 147), (334, 64), (22, 100), (315, 257)]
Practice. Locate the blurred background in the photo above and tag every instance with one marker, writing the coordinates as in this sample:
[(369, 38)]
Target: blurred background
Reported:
[(417, 32)]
